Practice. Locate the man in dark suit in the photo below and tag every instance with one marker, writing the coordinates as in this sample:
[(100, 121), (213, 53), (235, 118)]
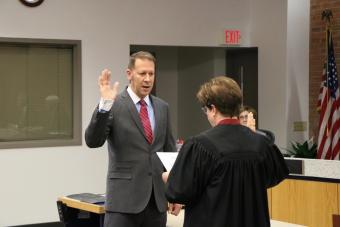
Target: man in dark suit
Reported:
[(136, 125)]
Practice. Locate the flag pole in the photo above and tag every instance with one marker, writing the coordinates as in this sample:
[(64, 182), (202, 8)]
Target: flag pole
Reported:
[(329, 98), (326, 16)]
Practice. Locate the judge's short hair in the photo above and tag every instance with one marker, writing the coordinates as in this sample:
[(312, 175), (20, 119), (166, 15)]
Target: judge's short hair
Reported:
[(222, 92), (140, 55)]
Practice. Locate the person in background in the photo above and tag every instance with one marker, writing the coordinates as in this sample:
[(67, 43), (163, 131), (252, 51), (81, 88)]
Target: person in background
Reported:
[(250, 122), (247, 118), (222, 174), (135, 125)]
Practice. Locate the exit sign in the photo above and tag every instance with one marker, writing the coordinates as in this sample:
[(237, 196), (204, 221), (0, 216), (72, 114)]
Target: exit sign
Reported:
[(232, 37)]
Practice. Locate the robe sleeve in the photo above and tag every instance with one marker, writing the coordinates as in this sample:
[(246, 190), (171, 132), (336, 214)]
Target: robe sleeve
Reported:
[(275, 167), (191, 173)]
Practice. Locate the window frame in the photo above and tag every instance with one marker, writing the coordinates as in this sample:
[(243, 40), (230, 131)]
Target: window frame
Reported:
[(76, 93)]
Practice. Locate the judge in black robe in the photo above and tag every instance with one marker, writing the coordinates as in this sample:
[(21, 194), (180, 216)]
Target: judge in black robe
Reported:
[(222, 175)]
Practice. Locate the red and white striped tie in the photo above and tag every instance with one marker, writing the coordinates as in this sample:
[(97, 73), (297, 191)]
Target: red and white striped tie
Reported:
[(144, 116)]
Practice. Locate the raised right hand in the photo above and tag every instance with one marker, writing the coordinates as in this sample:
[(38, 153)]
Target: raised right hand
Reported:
[(107, 91), (251, 123)]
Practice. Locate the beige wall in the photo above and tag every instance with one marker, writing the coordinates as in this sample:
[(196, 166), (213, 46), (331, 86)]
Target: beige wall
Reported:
[(271, 38), (32, 179), (298, 68)]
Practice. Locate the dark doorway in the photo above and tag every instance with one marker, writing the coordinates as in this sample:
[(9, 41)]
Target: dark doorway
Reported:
[(242, 66), (180, 70)]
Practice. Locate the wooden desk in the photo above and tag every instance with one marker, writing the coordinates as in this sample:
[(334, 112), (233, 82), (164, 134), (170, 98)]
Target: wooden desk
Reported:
[(100, 211), (94, 208), (306, 202), (75, 213)]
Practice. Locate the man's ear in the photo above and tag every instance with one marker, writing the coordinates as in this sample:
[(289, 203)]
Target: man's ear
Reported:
[(213, 110), (129, 74)]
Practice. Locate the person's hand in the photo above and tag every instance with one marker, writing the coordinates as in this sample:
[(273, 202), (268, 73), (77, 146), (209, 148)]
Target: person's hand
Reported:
[(174, 208), (165, 176), (107, 91), (251, 122)]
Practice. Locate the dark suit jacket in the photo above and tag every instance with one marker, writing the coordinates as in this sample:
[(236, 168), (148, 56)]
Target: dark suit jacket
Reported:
[(268, 135), (134, 169)]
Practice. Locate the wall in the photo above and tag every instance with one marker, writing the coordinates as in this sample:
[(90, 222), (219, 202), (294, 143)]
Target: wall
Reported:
[(318, 52), (271, 40), (167, 83), (297, 68), (196, 66), (32, 179)]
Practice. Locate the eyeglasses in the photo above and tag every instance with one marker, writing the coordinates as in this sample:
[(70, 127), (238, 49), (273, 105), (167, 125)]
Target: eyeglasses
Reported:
[(243, 117), (205, 108)]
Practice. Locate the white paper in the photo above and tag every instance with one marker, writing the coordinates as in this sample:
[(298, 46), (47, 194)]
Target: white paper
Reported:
[(168, 159)]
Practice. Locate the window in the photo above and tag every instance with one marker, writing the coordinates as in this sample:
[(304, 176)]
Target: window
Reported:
[(40, 93)]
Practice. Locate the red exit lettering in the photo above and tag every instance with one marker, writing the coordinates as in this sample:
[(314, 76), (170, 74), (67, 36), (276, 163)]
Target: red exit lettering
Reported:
[(232, 36)]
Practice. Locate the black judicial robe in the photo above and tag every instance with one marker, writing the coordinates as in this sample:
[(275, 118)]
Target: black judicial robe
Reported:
[(222, 176)]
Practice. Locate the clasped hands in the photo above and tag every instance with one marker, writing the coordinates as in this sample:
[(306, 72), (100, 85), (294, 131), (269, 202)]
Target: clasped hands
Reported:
[(173, 208)]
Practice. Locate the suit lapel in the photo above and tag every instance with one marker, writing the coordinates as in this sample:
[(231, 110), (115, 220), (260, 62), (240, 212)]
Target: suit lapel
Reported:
[(156, 110), (133, 111)]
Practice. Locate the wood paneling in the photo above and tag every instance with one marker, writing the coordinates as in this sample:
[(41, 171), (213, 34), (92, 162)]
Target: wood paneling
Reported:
[(339, 199), (304, 202), (269, 193), (336, 220)]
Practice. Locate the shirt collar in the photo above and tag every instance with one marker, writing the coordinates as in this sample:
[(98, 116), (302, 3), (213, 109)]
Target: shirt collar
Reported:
[(135, 97), (229, 121)]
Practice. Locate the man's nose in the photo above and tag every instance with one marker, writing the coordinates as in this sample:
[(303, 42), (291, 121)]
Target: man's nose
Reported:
[(147, 77)]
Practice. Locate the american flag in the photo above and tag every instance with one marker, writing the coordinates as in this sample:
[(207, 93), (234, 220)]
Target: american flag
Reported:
[(329, 106)]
